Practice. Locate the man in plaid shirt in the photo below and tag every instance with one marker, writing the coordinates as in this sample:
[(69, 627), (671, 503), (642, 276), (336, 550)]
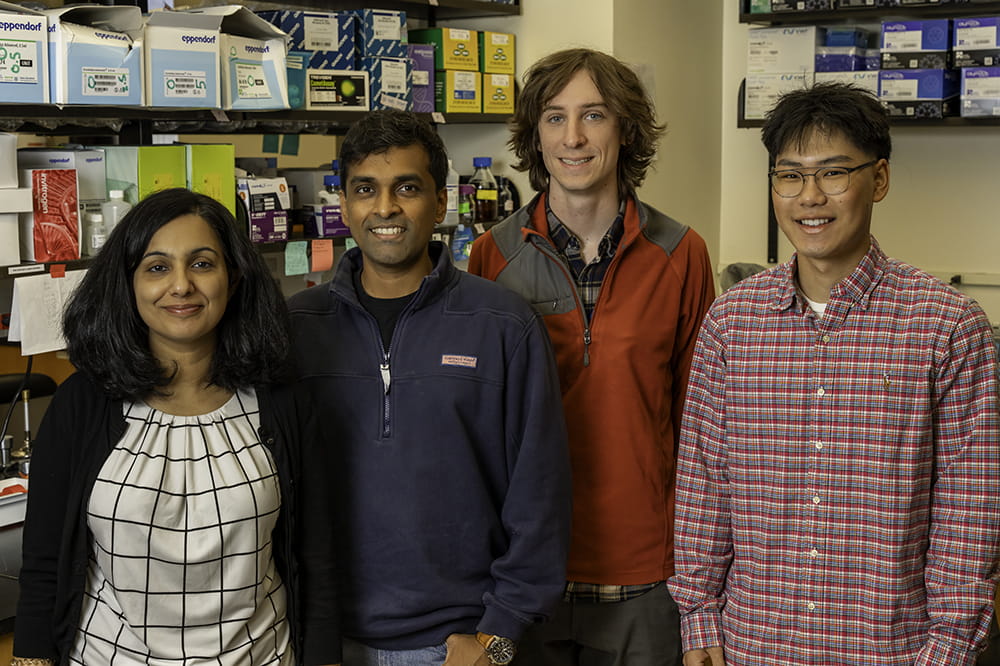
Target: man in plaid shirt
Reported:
[(838, 492)]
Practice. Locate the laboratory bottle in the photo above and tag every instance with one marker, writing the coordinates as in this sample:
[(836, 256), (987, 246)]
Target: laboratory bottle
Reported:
[(94, 234), (114, 209), (330, 194), (467, 204), (451, 185), (506, 199), (486, 190)]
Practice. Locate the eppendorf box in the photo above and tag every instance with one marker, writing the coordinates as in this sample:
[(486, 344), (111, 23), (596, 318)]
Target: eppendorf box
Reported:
[(24, 55), (89, 164), (266, 201), (51, 231), (919, 93), (181, 63), (252, 59), (95, 55)]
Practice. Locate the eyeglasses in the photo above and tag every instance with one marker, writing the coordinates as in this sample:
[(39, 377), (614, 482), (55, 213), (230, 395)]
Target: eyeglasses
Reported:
[(789, 183)]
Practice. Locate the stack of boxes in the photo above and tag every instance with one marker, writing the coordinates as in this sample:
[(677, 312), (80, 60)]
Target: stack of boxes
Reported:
[(977, 53), (382, 41), (916, 80), (779, 60), (847, 56), (496, 62), (13, 201)]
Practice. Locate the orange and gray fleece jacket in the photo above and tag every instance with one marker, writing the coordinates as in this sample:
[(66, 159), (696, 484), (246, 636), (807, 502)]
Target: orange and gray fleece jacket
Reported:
[(623, 376)]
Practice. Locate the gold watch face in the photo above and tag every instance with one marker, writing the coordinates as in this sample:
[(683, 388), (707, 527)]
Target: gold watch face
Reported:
[(500, 651)]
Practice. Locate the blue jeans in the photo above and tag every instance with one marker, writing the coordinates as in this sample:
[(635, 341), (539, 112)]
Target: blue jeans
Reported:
[(358, 654)]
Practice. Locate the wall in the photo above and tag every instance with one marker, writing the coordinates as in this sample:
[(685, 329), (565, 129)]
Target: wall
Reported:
[(939, 214), (657, 36)]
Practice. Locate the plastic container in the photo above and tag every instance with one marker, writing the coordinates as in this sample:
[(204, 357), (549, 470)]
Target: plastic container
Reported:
[(330, 194), (466, 204), (487, 194), (461, 246), (451, 185), (114, 209), (94, 234)]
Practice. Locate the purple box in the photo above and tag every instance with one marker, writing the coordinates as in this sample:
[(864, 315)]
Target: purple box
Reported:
[(422, 57), (324, 222), (269, 226)]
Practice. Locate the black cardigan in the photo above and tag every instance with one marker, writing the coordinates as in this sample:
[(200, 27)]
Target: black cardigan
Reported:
[(80, 427)]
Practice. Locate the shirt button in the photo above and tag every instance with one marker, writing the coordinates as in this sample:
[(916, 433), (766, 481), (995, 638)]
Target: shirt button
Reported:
[(821, 391), (825, 338), (813, 553), (816, 500), (818, 445), (811, 606)]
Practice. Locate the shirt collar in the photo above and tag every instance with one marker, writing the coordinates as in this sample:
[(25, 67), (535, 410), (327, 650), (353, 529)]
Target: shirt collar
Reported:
[(855, 288), (561, 234)]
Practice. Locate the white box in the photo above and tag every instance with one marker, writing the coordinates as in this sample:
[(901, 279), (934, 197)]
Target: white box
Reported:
[(12, 202), (89, 164), (8, 160), (252, 59), (782, 50), (95, 55), (181, 60), (24, 67), (763, 90), (865, 80)]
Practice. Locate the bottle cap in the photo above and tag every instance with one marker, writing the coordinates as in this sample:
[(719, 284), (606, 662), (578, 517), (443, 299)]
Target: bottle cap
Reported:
[(482, 161), (116, 194), (95, 217), (331, 181)]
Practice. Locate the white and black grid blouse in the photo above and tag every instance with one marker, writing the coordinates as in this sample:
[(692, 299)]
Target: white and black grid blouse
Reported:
[(181, 571)]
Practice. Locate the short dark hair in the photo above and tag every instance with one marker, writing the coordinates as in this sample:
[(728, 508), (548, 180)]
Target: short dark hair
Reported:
[(378, 131), (830, 108), (108, 340), (622, 91)]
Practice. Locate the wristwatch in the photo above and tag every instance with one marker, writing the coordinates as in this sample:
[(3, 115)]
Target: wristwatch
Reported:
[(499, 650)]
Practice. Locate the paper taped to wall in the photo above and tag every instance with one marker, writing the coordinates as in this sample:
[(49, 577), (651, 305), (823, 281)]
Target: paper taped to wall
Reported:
[(36, 311)]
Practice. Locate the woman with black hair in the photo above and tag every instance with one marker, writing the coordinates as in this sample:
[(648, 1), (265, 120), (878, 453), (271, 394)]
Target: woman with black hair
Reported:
[(166, 518)]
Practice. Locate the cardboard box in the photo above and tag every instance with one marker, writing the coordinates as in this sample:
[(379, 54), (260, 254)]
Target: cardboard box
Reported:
[(24, 67), (252, 59), (422, 61), (51, 230), (916, 44), (866, 80), (141, 170), (266, 202), (89, 164), (976, 42), (12, 202), (324, 221), (181, 60), (782, 50), (390, 81), (763, 90), (458, 92), (210, 171), (296, 66), (8, 160), (340, 90), (980, 97), (454, 48), (920, 93), (498, 93), (95, 55), (496, 52), (381, 33), (329, 37)]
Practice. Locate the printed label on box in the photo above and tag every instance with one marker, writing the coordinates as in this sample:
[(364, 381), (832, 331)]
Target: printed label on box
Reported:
[(386, 26), (55, 223), (903, 40), (391, 102), (15, 67), (250, 81), (421, 77), (188, 85), (100, 81), (465, 85), (981, 37), (393, 75), (320, 32), (499, 38), (900, 89)]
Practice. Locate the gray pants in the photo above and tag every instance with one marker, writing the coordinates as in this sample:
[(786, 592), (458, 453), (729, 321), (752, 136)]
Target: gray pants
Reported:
[(644, 631)]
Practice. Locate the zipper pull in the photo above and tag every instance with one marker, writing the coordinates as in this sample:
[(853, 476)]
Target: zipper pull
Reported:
[(386, 376), (586, 347)]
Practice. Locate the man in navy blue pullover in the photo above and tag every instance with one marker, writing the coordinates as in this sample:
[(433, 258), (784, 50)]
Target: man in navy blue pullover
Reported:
[(443, 405)]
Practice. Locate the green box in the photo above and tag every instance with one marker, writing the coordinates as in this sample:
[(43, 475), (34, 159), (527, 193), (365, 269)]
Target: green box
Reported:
[(141, 170), (211, 171), (456, 48)]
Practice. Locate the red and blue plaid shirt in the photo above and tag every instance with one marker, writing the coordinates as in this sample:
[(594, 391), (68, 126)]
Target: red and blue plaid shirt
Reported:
[(838, 494)]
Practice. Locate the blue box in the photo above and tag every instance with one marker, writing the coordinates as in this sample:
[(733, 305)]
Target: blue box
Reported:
[(390, 82), (920, 93), (981, 92), (422, 61), (912, 36), (330, 36), (847, 36), (381, 33), (24, 67), (839, 59)]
